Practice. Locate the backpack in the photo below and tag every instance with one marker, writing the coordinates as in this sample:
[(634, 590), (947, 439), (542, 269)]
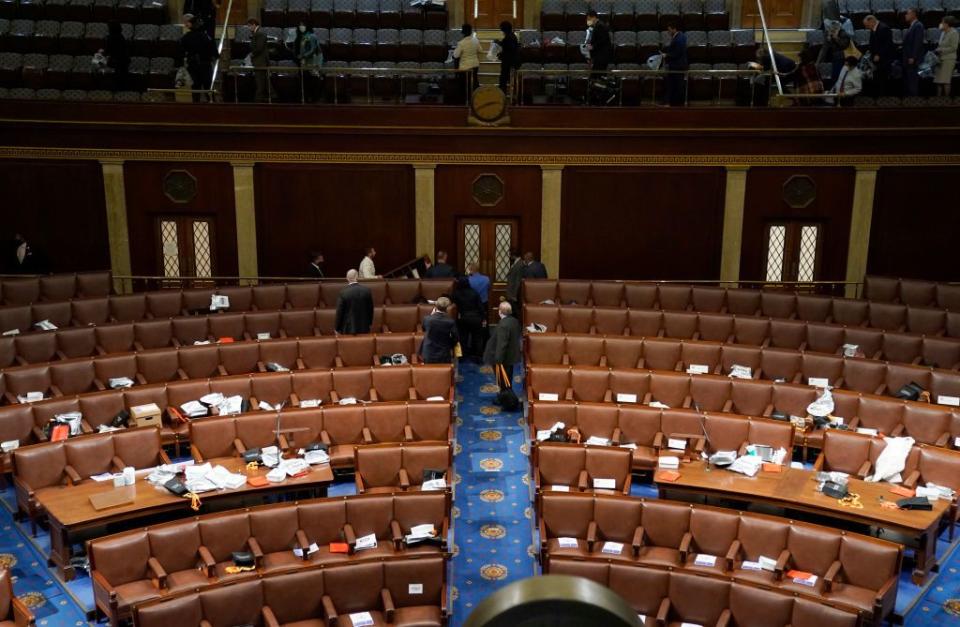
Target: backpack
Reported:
[(506, 397)]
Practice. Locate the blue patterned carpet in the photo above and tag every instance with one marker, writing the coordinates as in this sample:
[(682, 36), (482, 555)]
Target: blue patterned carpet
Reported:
[(493, 534)]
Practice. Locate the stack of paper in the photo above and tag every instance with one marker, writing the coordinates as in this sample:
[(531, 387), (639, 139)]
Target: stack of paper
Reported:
[(677, 444), (45, 325), (230, 405), (703, 559), (316, 457), (658, 405), (265, 406), (348, 400), (698, 369), (214, 398), (117, 383), (276, 475), (194, 409), (567, 543), (612, 548), (741, 372), (597, 441), (309, 403), (368, 541), (223, 478), (669, 461), (434, 484), (293, 467), (30, 397), (747, 464), (270, 456), (623, 397)]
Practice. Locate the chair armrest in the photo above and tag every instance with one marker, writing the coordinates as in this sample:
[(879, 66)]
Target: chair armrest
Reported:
[(157, 571), (182, 374), (617, 435), (387, 601), (334, 397), (854, 423), (73, 477), (350, 536), (608, 396), (678, 367), (543, 534), (832, 573), (412, 393), (22, 616), (911, 480), (818, 463), (781, 564), (140, 379), (329, 610), (238, 446), (768, 411), (97, 383), (325, 438), (163, 456), (637, 542), (732, 553), (221, 370), (38, 434), (404, 479), (118, 464), (687, 402), (658, 440), (880, 389), (367, 436), (261, 367), (397, 533), (864, 469), (663, 611), (358, 481), (300, 364), (268, 618), (85, 426), (582, 481), (885, 588), (591, 535), (407, 433), (195, 454), (256, 550), (568, 394), (724, 619), (943, 440), (373, 395), (685, 543), (206, 557)]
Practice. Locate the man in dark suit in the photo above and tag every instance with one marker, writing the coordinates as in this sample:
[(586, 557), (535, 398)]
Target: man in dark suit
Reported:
[(534, 269), (198, 49), (441, 269), (912, 53), (601, 48), (354, 307), (439, 335), (260, 57), (675, 62), (314, 271), (882, 52), (515, 280), (503, 348)]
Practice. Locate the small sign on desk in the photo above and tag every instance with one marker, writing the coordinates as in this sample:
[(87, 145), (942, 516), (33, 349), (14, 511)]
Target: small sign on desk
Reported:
[(113, 498)]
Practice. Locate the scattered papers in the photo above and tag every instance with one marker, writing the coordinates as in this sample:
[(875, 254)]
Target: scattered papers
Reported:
[(219, 301), (703, 559), (953, 401), (597, 441), (850, 350), (316, 457), (265, 406), (434, 484), (658, 405), (426, 530), (103, 477), (748, 465), (929, 493), (605, 484), (534, 327), (348, 400), (310, 403), (548, 396), (945, 492), (669, 462), (30, 397), (118, 383), (230, 405), (435, 398), (567, 543), (677, 444), (543, 435), (767, 563), (214, 398), (9, 445), (361, 619), (197, 472), (45, 325), (698, 369), (741, 372), (313, 548), (818, 382), (723, 458), (194, 409), (368, 541), (612, 548), (293, 467), (623, 397), (823, 406)]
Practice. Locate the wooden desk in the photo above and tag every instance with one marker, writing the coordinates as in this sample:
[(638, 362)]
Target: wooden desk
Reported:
[(797, 490), (69, 511)]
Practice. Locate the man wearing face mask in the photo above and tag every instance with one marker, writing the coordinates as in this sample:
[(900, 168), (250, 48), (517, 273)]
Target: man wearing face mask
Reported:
[(601, 50)]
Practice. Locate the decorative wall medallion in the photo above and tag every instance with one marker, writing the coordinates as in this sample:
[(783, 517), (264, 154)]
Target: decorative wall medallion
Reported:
[(179, 186), (799, 191), (487, 190)]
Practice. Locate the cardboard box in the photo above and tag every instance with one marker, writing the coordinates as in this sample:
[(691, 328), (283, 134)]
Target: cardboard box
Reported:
[(146, 415)]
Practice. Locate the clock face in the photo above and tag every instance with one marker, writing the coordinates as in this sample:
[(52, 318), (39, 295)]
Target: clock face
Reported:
[(488, 103)]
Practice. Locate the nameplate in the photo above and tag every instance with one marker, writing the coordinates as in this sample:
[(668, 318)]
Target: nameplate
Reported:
[(677, 444), (952, 401), (605, 484), (310, 403), (866, 431), (560, 488), (698, 369), (361, 619), (705, 560), (818, 382), (767, 563), (366, 542), (547, 396), (612, 548), (263, 336), (597, 441), (626, 398), (415, 588), (747, 565), (669, 461), (567, 543)]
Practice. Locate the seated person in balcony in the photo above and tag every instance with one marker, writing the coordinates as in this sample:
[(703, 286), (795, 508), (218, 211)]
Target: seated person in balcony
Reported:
[(600, 46), (849, 83), (676, 64), (808, 78)]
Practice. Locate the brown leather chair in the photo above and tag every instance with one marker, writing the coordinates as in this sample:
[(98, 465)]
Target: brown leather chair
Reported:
[(939, 466), (90, 311), (128, 307), (673, 390), (852, 313), (18, 424), (73, 343), (293, 599), (385, 423), (709, 299), (434, 381), (641, 426), (547, 315), (226, 325), (393, 344), (400, 319), (164, 304), (590, 384), (608, 294), (13, 611), (574, 292), (576, 320), (21, 291), (948, 297), (197, 300), (566, 516), (57, 313), (402, 292), (263, 323), (428, 421), (887, 316), (927, 424), (778, 305), (357, 350), (660, 354), (121, 574), (273, 536), (312, 385), (536, 291), (881, 289), (299, 323), (237, 603), (269, 297), (548, 348), (788, 334), (36, 348), (673, 297), (640, 295), (303, 295), (752, 331), (94, 284), (192, 329), (695, 599), (175, 554), (825, 338), (610, 321), (864, 576), (18, 318), (666, 537), (845, 452), (702, 354), (622, 352), (354, 383), (715, 327), (743, 302), (681, 325), (781, 365)]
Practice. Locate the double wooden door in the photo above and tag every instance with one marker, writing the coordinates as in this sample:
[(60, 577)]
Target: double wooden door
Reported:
[(487, 242), (793, 250), (779, 13), (186, 245), (489, 13)]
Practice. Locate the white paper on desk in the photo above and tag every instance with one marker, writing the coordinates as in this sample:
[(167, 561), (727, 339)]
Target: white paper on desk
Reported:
[(818, 382), (117, 383), (956, 441), (543, 434), (368, 541), (677, 444), (605, 484), (436, 399), (642, 617), (931, 494), (200, 485), (294, 466), (548, 396), (9, 445), (107, 476), (629, 445), (612, 548), (45, 325), (214, 398), (698, 369), (175, 468), (953, 401), (434, 484), (669, 461), (866, 431), (560, 488), (767, 563), (11, 332), (265, 406), (810, 581), (747, 565), (425, 530), (310, 403), (194, 409), (361, 619), (703, 559), (219, 476), (623, 397), (230, 405), (348, 400), (197, 472), (741, 372), (658, 405), (597, 441), (276, 475), (748, 465), (263, 336), (316, 457), (567, 543)]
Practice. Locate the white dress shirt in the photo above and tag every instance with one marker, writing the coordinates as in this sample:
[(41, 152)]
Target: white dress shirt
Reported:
[(367, 269)]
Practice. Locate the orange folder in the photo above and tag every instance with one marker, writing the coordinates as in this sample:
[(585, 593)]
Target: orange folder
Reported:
[(668, 475)]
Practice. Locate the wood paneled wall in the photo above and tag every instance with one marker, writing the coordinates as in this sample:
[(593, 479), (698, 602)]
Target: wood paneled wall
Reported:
[(641, 223), (338, 210), (831, 207), (59, 207), (146, 203), (454, 200), (915, 224)]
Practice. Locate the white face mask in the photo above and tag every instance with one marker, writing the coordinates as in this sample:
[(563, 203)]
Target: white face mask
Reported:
[(303, 29)]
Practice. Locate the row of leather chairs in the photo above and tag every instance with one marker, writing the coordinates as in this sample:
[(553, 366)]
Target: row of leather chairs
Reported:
[(340, 428), (125, 567), (123, 337), (775, 364), (24, 422), (169, 303), (749, 302), (857, 454), (401, 467), (928, 424), (678, 598), (54, 287), (238, 324), (406, 591), (572, 467), (937, 352), (854, 571), (89, 374), (649, 429), (48, 466), (914, 292)]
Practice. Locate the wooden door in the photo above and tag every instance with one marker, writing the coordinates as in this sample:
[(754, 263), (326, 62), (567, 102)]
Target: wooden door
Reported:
[(779, 13), (488, 242), (793, 251), (489, 13), (238, 13), (186, 245)]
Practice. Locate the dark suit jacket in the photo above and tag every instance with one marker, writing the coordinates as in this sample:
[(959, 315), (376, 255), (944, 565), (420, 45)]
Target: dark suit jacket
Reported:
[(881, 45), (314, 271), (913, 43), (259, 50), (601, 49), (439, 337), (510, 51), (676, 52), (354, 309), (504, 344), (535, 270), (440, 271), (514, 279)]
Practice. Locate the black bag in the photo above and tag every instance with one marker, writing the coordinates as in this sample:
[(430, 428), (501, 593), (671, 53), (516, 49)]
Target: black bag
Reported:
[(176, 487), (244, 559), (910, 392), (835, 490), (506, 397), (915, 502), (121, 419), (557, 436), (251, 455)]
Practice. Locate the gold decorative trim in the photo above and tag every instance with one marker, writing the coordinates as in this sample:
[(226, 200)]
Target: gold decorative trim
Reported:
[(416, 159)]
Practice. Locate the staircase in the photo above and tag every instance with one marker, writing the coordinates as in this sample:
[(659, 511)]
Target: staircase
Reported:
[(489, 70), (788, 42)]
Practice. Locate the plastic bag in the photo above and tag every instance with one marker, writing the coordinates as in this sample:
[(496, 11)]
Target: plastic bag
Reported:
[(823, 406), (182, 79), (654, 62), (493, 54)]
